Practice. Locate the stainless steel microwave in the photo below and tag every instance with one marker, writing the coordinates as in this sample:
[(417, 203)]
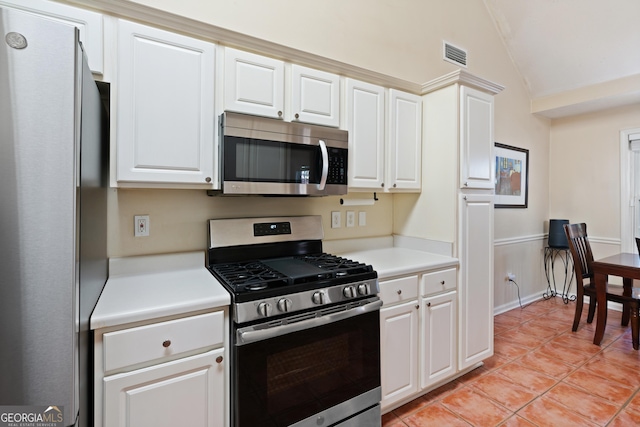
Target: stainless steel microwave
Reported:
[(271, 157)]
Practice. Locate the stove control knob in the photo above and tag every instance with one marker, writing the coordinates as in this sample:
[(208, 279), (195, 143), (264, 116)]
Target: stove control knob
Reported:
[(349, 292), (284, 304), (264, 309), (318, 297), (364, 289)]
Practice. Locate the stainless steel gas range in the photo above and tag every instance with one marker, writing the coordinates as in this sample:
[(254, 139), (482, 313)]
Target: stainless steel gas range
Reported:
[(305, 332)]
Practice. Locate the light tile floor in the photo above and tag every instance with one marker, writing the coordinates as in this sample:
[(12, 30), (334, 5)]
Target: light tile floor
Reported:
[(541, 374)]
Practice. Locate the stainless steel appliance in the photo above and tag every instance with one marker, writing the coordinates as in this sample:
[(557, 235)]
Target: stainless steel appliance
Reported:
[(272, 157), (306, 325), (53, 262)]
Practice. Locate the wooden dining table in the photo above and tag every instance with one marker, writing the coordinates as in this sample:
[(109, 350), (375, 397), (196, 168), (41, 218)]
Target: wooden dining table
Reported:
[(624, 265)]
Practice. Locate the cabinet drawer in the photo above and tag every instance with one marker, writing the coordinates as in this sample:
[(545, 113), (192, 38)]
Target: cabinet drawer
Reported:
[(398, 290), (165, 339), (438, 281)]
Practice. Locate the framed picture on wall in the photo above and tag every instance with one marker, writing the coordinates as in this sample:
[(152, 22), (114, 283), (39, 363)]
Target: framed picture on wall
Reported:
[(512, 176)]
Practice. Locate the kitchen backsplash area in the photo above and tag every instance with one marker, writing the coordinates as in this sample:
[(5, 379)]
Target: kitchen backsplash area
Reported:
[(178, 218)]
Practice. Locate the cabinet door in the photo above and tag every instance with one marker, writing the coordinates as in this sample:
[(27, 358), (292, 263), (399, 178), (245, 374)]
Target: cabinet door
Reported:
[(404, 144), (476, 278), (165, 107), (398, 351), (184, 392), (365, 123), (88, 23), (315, 96), (254, 84), (476, 139), (438, 338)]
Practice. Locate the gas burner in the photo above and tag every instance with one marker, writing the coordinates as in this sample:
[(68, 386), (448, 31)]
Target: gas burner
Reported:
[(249, 276), (339, 266)]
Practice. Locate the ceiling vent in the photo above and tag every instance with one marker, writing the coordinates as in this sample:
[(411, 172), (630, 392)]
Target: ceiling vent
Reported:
[(454, 54)]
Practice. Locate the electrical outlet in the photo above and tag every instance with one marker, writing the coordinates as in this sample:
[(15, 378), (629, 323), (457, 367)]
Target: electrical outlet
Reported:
[(336, 219), (510, 276), (141, 225), (351, 219)]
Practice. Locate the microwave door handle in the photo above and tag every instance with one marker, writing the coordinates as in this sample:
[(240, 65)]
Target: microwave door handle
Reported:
[(325, 164)]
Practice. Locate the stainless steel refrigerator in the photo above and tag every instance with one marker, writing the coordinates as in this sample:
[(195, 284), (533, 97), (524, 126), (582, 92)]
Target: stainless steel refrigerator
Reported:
[(53, 262)]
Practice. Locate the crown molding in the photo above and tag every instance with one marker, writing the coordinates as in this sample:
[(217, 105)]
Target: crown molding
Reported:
[(464, 78)]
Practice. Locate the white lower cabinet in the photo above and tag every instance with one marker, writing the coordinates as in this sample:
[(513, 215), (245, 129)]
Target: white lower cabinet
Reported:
[(163, 374), (399, 354), (418, 332), (438, 345), (184, 392)]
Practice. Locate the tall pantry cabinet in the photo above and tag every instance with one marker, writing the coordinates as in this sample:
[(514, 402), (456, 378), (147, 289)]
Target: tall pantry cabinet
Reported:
[(459, 173)]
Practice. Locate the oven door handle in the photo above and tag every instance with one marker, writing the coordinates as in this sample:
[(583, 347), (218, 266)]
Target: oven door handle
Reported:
[(250, 336)]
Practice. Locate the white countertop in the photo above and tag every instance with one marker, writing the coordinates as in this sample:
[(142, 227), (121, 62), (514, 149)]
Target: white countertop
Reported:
[(148, 287), (395, 261)]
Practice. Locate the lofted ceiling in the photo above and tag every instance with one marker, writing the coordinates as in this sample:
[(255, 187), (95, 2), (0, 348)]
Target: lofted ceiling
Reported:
[(574, 56)]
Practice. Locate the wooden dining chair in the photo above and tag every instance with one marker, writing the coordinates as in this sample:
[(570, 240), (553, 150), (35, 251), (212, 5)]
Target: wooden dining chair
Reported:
[(585, 285)]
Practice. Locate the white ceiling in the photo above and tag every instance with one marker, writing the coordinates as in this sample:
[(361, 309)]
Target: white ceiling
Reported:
[(573, 47)]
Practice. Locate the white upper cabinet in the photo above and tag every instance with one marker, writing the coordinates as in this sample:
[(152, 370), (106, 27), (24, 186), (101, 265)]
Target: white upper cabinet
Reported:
[(315, 96), (88, 23), (253, 84), (365, 123), (379, 161), (476, 139), (404, 143), (256, 84), (164, 107)]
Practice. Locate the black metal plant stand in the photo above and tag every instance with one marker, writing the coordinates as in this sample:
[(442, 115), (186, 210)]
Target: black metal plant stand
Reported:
[(550, 256)]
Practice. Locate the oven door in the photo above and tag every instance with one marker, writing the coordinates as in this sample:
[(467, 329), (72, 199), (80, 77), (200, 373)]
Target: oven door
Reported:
[(313, 372)]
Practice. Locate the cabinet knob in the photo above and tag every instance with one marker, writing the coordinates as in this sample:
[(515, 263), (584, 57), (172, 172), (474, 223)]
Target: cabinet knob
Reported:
[(466, 184), (219, 359), (395, 185), (166, 343), (382, 185), (279, 113), (297, 116), (417, 306), (399, 291), (208, 179), (442, 283), (428, 304)]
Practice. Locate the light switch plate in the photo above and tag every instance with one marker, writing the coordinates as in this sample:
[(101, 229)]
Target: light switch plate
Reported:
[(362, 219)]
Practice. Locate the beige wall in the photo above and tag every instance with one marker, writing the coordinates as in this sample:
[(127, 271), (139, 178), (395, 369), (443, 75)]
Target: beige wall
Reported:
[(179, 217), (584, 169)]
